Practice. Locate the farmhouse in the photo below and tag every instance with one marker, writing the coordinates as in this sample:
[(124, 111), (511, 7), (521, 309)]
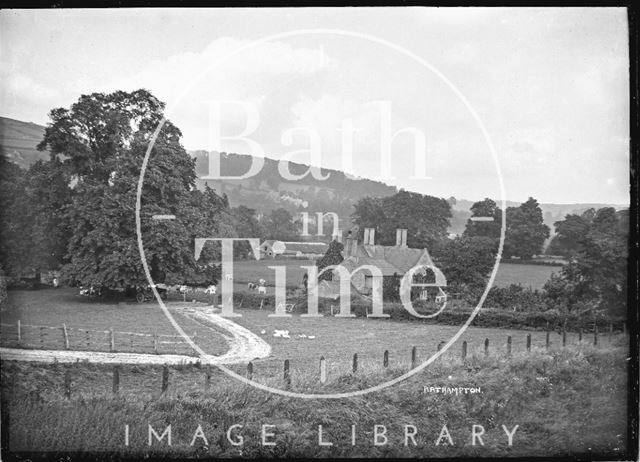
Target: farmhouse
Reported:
[(271, 248), (391, 261)]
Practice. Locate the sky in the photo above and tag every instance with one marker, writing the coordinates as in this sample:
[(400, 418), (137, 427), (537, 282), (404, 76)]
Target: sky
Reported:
[(414, 97)]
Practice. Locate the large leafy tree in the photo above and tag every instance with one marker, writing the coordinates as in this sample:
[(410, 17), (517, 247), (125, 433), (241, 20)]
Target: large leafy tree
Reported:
[(490, 229), (33, 232), (14, 218), (571, 233), (426, 218), (526, 231), (466, 261), (596, 275), (101, 140)]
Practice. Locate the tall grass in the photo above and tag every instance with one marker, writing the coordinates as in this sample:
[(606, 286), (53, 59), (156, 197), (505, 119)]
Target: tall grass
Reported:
[(570, 401)]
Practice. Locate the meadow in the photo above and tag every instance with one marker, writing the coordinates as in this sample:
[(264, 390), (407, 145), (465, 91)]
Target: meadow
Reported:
[(565, 402), (245, 271), (335, 338), (532, 276)]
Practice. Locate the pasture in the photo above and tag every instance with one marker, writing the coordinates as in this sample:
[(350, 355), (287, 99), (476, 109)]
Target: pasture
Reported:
[(565, 402), (245, 271), (337, 339), (55, 307), (533, 276)]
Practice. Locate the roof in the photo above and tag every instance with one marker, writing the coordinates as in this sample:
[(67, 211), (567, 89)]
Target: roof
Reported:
[(389, 259), (306, 247)]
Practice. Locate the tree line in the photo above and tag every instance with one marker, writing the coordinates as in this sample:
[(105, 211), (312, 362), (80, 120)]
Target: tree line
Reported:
[(76, 212)]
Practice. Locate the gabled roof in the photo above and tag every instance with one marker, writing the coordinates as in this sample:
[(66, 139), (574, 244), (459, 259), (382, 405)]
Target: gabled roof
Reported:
[(390, 259), (306, 247)]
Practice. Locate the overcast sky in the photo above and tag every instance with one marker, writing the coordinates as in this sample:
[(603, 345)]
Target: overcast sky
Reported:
[(551, 87)]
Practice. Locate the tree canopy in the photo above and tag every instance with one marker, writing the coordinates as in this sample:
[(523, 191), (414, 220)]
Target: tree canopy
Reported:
[(525, 232), (426, 218), (101, 142)]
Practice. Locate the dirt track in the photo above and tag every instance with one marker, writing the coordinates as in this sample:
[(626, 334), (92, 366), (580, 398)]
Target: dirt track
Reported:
[(244, 346)]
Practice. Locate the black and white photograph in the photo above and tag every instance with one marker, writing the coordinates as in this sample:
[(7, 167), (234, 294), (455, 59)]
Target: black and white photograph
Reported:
[(318, 232)]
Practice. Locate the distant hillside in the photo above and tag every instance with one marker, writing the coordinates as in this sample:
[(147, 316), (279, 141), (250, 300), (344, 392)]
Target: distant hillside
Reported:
[(267, 190), (18, 141)]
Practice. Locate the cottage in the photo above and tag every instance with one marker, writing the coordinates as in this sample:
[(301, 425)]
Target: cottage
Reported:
[(391, 261)]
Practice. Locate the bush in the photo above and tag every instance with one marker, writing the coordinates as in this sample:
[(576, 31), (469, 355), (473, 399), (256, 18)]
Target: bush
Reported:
[(3, 287)]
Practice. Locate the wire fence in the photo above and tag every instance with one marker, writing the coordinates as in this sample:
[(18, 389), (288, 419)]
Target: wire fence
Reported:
[(71, 338)]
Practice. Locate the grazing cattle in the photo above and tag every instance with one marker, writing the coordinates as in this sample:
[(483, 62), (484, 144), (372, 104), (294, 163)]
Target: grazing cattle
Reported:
[(211, 290), (252, 286)]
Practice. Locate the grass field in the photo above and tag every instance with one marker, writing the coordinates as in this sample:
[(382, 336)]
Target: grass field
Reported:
[(246, 271), (533, 276), (336, 339), (55, 307), (565, 402)]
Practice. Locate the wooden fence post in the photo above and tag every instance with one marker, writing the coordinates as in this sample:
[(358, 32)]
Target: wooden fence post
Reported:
[(67, 383), (355, 363), (66, 337), (155, 342), (19, 332), (385, 359), (546, 344), (287, 373), (486, 347), (323, 370), (165, 378), (414, 357), (580, 335), (112, 340), (207, 380), (595, 333), (528, 342), (509, 345), (116, 379), (250, 370), (464, 350), (564, 338)]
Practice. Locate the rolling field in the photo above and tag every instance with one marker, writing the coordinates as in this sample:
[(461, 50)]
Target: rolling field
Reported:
[(336, 339), (534, 276), (55, 307), (564, 400), (246, 271)]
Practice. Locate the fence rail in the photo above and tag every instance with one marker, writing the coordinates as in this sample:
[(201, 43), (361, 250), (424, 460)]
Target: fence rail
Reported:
[(288, 373), (73, 338), (20, 336)]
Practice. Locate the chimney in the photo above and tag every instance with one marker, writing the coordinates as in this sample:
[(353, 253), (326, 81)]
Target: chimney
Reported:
[(401, 237), (350, 245), (337, 236), (369, 236)]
